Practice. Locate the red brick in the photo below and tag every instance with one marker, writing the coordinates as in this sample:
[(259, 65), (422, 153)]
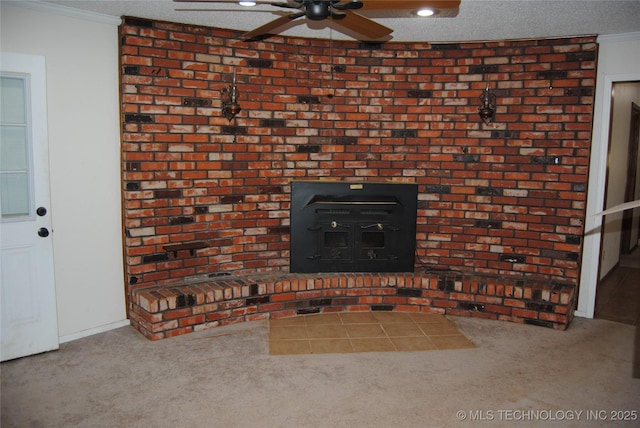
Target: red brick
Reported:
[(498, 309), (151, 318), (193, 320), (178, 331), (284, 297), (553, 317), (523, 313), (176, 313), (444, 303)]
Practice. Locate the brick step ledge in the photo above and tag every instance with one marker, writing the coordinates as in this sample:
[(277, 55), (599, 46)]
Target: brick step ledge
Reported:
[(173, 309)]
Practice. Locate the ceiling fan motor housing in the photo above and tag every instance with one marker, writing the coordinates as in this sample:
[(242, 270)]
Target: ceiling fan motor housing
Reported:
[(317, 10)]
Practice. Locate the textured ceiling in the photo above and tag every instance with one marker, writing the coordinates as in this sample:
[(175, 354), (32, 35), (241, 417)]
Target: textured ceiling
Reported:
[(477, 20)]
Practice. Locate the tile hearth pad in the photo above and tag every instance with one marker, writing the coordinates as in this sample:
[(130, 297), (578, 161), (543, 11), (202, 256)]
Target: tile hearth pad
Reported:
[(350, 332)]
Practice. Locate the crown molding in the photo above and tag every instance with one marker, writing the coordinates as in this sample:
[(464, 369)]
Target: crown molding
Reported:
[(623, 37), (66, 11)]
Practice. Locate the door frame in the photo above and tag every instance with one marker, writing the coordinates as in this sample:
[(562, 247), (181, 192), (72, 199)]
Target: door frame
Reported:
[(595, 196)]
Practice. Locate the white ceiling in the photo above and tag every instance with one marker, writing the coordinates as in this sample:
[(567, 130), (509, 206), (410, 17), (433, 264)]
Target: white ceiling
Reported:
[(477, 20)]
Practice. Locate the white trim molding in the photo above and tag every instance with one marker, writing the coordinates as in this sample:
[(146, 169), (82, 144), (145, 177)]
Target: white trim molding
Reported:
[(67, 11), (96, 330), (622, 37)]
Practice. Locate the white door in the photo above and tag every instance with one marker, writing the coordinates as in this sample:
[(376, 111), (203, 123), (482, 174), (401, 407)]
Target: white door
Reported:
[(27, 298)]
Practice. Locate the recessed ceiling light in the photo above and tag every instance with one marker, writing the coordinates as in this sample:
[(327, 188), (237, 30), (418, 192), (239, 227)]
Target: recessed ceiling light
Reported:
[(425, 12), (247, 3)]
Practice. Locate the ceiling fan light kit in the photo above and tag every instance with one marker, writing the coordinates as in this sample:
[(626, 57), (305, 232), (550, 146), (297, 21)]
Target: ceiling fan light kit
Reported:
[(425, 12), (359, 24)]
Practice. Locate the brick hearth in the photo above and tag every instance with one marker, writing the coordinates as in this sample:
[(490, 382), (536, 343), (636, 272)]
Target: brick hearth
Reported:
[(175, 309)]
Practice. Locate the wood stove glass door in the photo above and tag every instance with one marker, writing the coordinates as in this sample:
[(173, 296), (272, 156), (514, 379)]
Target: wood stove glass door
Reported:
[(335, 241)]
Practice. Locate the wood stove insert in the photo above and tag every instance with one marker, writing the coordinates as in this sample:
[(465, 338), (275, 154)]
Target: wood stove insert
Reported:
[(353, 227)]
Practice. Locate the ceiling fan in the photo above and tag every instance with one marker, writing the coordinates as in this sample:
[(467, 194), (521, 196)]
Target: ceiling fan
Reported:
[(341, 12)]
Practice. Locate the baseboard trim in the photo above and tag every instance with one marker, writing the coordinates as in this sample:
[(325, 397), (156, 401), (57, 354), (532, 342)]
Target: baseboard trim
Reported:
[(92, 331)]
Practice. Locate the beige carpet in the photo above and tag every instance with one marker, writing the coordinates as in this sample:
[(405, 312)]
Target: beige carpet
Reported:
[(225, 377), (363, 332)]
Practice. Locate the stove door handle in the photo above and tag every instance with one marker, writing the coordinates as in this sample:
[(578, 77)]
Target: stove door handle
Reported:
[(334, 225), (378, 226)]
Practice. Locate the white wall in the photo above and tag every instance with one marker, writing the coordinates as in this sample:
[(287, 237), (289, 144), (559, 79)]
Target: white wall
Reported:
[(624, 93), (618, 60), (84, 147)]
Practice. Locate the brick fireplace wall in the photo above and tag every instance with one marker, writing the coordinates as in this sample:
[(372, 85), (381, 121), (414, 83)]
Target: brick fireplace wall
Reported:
[(205, 196)]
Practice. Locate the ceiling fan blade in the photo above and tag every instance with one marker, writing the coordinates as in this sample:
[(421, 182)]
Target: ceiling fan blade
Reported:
[(349, 5), (232, 1), (362, 25), (286, 5), (291, 4), (358, 23), (368, 4), (408, 8), (443, 7), (270, 26), (410, 4)]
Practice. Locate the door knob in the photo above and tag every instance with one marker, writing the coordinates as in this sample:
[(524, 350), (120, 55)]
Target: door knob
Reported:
[(43, 232)]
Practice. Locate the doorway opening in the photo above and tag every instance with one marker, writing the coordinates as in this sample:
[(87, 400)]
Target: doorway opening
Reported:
[(630, 221), (618, 291)]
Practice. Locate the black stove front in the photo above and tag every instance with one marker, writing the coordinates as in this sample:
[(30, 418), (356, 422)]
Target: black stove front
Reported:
[(353, 227)]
